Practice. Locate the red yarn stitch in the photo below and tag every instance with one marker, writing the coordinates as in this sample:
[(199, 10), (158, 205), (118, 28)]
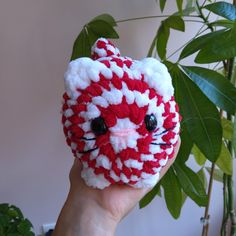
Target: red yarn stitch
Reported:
[(101, 44), (81, 139), (128, 63)]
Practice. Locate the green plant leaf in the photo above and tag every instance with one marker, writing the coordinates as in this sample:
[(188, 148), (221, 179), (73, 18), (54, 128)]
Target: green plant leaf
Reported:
[(217, 175), (19, 212), (150, 51), (12, 221), (185, 12), (4, 221), (202, 176), (215, 86), (234, 136), (184, 197), (107, 18), (12, 227), (186, 145), (188, 11), (12, 213), (15, 234), (162, 5), (4, 208), (191, 184), (233, 78), (30, 234), (223, 9), (24, 227), (189, 3), (163, 34), (100, 26), (149, 196), (172, 193), (81, 47), (199, 114), (223, 23), (103, 29), (92, 37), (175, 22), (2, 231), (198, 43), (180, 6), (224, 162), (227, 129), (186, 141), (221, 47), (29, 223), (198, 156)]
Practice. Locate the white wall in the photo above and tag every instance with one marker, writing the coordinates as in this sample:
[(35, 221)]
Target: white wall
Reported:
[(36, 39)]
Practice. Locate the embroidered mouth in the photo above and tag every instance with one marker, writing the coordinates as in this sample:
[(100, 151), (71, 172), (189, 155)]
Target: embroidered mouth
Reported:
[(88, 151)]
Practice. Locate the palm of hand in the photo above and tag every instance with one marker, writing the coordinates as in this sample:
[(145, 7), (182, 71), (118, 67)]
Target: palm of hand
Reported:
[(117, 200)]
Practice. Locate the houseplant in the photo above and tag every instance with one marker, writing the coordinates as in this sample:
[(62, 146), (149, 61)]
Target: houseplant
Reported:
[(206, 96), (13, 223)]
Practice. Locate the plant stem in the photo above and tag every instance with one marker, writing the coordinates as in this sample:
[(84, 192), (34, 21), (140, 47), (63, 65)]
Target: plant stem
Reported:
[(148, 17), (231, 206), (225, 208), (230, 69), (206, 215), (197, 21), (229, 216), (215, 67), (141, 18), (205, 19), (234, 76), (204, 3), (200, 31), (231, 210)]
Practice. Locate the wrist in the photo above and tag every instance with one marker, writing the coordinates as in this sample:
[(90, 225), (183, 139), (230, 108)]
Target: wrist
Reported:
[(84, 217), (94, 221)]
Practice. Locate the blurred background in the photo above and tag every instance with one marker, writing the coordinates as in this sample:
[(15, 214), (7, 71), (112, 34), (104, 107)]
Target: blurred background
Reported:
[(36, 39)]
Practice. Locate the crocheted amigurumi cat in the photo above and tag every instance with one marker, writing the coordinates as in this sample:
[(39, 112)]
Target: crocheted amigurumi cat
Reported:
[(119, 116)]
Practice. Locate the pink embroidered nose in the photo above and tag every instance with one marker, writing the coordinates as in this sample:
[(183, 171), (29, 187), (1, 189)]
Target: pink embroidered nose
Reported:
[(123, 132)]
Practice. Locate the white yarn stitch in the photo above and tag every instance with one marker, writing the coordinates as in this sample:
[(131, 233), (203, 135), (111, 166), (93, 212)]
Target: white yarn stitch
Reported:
[(156, 75)]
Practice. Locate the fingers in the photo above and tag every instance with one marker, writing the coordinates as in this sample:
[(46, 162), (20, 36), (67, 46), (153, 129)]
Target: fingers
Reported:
[(75, 172), (76, 179)]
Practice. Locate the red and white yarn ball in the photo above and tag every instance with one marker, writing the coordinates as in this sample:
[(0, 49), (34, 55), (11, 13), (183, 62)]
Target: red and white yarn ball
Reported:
[(119, 116)]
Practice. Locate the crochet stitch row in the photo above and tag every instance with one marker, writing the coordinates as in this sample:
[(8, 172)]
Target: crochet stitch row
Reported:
[(120, 93)]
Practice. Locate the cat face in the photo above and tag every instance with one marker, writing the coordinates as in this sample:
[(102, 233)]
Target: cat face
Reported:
[(120, 118)]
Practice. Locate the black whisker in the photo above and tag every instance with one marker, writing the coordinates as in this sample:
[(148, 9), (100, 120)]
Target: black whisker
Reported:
[(162, 144), (165, 131), (87, 139), (87, 151)]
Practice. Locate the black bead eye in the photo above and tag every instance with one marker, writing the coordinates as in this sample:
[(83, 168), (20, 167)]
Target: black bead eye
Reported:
[(150, 122), (98, 126)]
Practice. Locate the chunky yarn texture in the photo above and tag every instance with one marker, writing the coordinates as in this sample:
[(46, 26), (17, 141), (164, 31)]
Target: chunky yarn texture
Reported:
[(120, 117)]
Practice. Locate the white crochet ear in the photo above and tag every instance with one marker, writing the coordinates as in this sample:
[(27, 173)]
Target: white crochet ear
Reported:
[(156, 76), (81, 72)]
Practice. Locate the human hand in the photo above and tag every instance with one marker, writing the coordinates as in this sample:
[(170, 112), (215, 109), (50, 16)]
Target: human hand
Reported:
[(96, 212)]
